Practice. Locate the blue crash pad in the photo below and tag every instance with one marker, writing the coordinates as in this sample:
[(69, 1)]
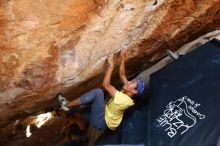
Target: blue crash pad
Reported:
[(183, 107)]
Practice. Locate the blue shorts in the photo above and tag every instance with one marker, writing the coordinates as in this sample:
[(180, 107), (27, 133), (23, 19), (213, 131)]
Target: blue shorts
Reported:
[(96, 116)]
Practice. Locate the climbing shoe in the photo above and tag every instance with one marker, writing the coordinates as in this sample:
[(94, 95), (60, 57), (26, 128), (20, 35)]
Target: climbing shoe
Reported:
[(62, 101)]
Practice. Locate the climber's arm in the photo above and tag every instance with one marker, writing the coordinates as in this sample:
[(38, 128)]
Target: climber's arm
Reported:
[(122, 73), (107, 79)]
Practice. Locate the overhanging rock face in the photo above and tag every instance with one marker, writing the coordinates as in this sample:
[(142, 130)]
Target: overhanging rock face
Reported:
[(52, 46)]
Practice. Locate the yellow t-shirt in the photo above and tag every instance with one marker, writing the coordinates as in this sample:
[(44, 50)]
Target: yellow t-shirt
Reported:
[(115, 108)]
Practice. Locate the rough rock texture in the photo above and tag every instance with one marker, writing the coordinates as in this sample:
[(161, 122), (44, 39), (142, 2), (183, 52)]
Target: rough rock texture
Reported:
[(52, 133), (51, 46)]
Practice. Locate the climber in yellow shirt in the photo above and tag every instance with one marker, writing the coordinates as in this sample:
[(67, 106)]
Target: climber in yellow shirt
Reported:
[(111, 114), (120, 101)]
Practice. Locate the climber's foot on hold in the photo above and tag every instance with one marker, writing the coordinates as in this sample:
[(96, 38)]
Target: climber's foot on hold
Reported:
[(62, 101)]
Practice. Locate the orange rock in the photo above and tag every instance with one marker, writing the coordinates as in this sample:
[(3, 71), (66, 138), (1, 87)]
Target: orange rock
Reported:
[(54, 46)]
